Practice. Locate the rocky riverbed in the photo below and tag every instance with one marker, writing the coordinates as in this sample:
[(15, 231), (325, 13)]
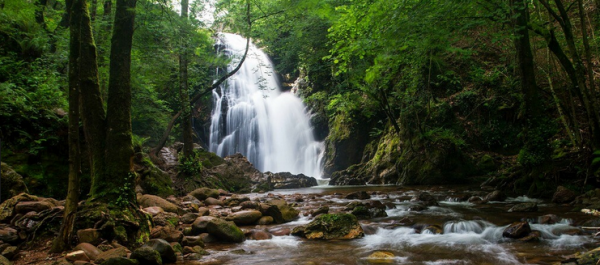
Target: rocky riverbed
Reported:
[(322, 225)]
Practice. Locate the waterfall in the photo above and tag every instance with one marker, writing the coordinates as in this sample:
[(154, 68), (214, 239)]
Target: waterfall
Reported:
[(252, 116)]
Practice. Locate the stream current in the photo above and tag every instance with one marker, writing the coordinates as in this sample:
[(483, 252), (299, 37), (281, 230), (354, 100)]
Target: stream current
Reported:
[(472, 234)]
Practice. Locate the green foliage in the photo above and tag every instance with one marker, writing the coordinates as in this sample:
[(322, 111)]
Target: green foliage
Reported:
[(190, 166)]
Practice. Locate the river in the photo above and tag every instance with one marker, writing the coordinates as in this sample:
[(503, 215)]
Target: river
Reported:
[(472, 234)]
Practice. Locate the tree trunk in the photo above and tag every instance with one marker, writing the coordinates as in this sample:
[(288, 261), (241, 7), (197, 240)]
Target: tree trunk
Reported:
[(188, 140), (92, 111), (535, 151), (39, 13), (63, 241), (119, 151)]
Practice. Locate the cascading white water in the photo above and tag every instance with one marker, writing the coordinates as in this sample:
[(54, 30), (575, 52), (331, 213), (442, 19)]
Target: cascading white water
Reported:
[(253, 117)]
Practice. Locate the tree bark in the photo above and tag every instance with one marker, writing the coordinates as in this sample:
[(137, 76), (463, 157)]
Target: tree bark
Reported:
[(63, 241), (119, 151), (188, 140)]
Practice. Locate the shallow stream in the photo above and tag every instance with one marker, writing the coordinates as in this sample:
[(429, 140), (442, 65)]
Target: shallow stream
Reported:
[(472, 234)]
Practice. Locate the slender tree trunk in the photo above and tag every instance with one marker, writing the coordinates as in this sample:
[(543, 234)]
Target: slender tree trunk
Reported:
[(63, 241), (536, 142), (188, 140), (119, 151), (587, 52), (92, 111)]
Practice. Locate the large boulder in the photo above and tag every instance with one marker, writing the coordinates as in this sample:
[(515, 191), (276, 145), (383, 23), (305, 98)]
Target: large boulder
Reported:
[(90, 250), (563, 195), (247, 217), (167, 233), (517, 230), (332, 226), (163, 247), (119, 252), (155, 181), (286, 180), (225, 230), (12, 183), (148, 200), (4, 261), (359, 195)]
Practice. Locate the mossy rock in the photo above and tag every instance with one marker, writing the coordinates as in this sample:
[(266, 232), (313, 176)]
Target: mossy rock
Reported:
[(126, 224), (12, 183), (334, 226), (156, 182), (225, 230)]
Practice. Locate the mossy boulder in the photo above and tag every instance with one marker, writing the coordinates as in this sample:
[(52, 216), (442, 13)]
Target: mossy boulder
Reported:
[(12, 183), (332, 226), (147, 256), (204, 193), (246, 217), (148, 200), (282, 212), (225, 230), (155, 181)]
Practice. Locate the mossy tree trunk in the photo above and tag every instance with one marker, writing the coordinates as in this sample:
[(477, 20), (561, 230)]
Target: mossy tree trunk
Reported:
[(63, 241), (119, 151), (535, 151), (188, 140)]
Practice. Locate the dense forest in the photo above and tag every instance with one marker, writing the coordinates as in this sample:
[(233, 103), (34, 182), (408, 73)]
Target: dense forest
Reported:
[(105, 106)]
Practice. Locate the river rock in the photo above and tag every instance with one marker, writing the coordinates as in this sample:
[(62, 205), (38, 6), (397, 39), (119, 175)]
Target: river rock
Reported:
[(321, 210), (495, 196), (425, 198), (250, 205), (563, 195), (381, 257), (548, 219), (199, 226), (282, 212), (163, 248), (524, 207), (12, 183), (332, 226), (90, 250), (236, 200), (77, 255), (90, 235), (119, 252), (260, 235), (147, 255), (359, 195), (204, 193), (225, 230), (192, 241), (265, 220), (166, 219), (167, 233), (585, 258), (154, 210), (534, 236), (148, 200), (189, 218), (9, 235), (213, 201), (245, 217), (517, 230)]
